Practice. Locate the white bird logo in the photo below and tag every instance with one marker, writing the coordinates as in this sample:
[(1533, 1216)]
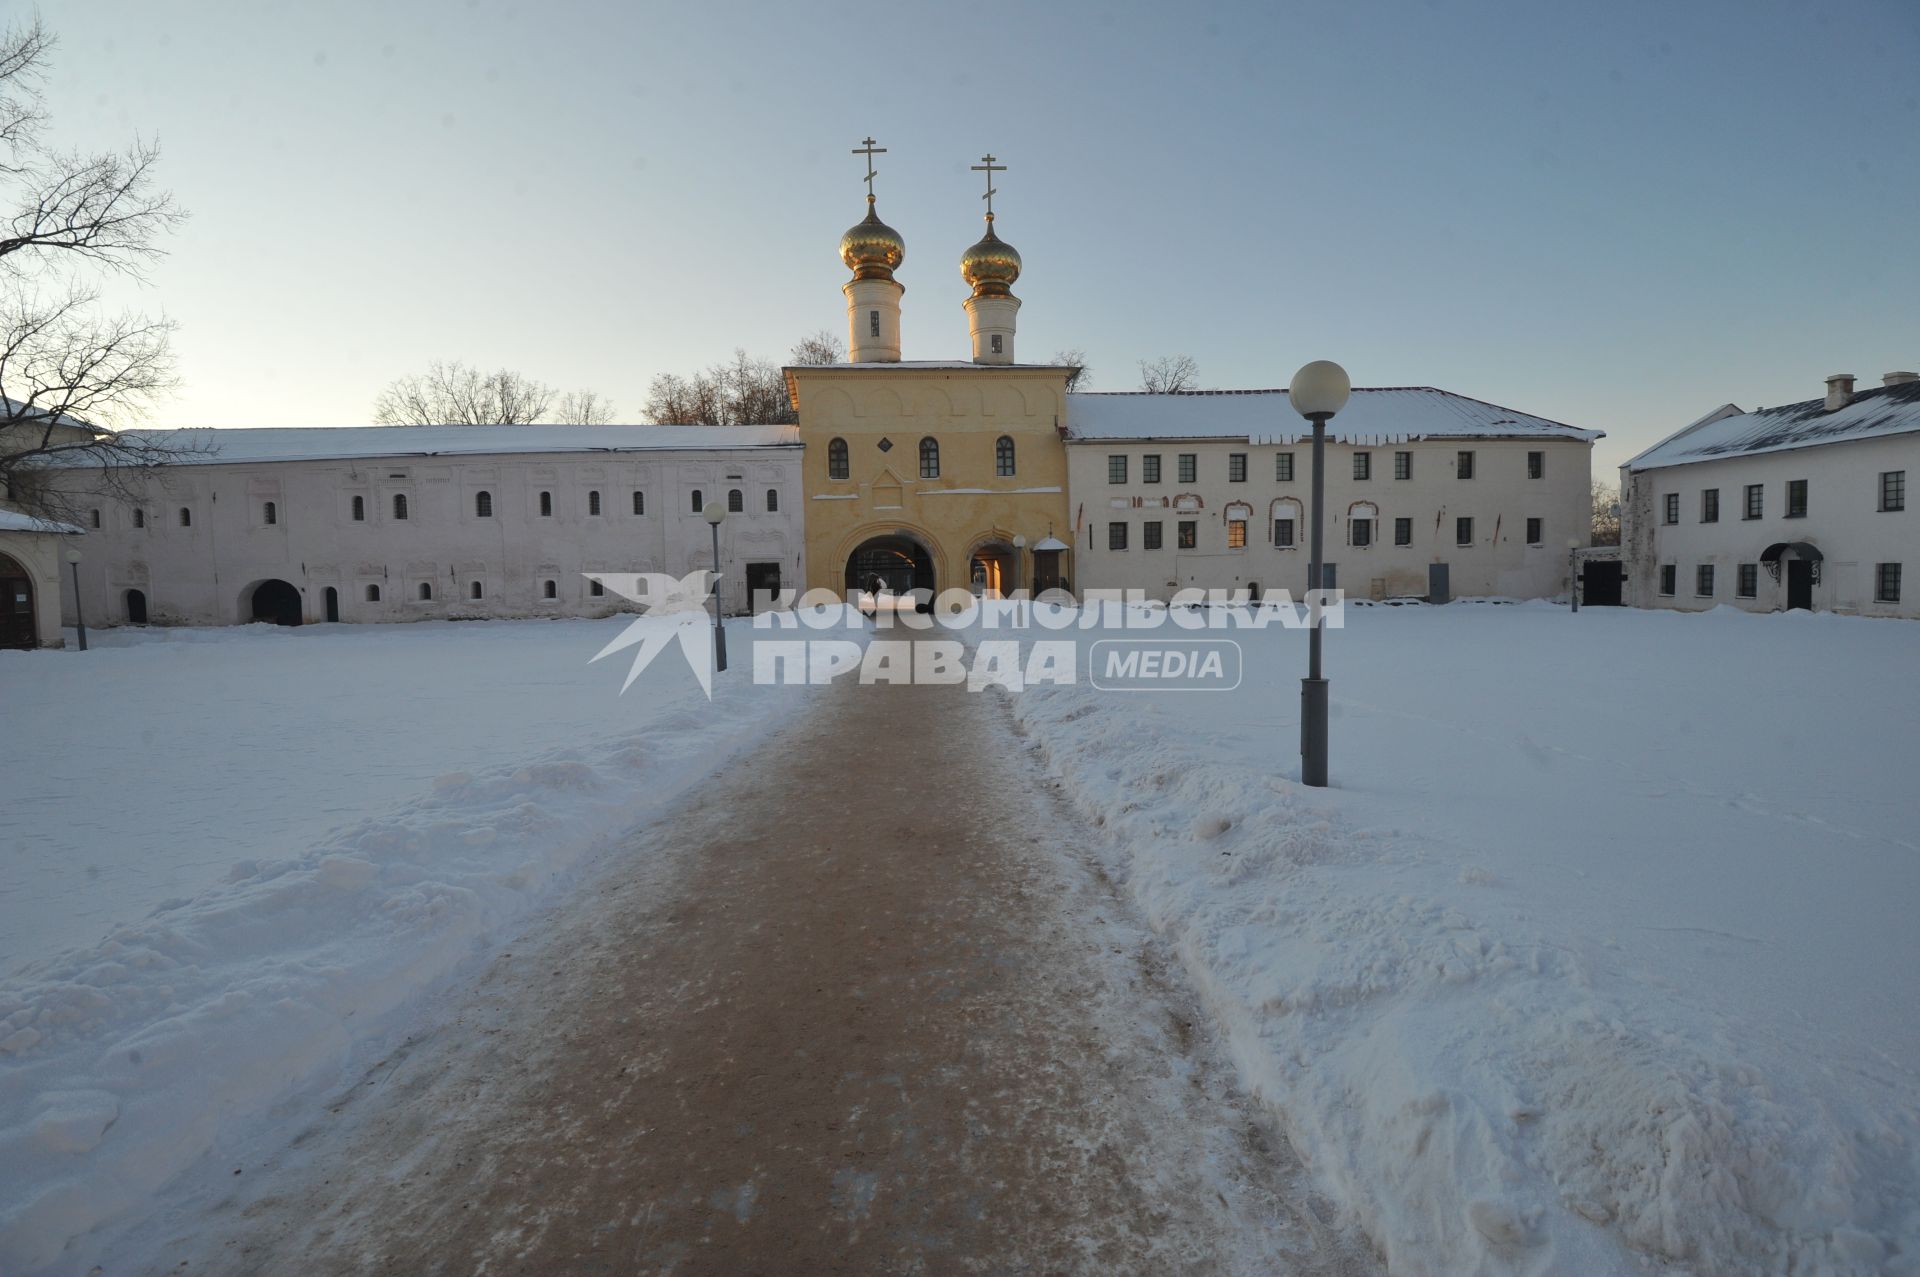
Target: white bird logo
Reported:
[(684, 600)]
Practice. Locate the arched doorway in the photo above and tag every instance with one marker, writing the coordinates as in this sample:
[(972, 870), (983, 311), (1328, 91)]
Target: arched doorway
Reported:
[(18, 627), (136, 607), (1802, 561), (898, 563), (333, 605), (278, 602), (992, 568)]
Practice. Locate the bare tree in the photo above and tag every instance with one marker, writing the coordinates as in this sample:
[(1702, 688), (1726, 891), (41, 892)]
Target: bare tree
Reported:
[(817, 349), (746, 390), (583, 408), (453, 394), (69, 377), (1081, 378), (1606, 514), (1169, 375)]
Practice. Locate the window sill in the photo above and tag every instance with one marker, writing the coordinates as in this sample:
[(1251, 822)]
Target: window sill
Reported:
[(1801, 515)]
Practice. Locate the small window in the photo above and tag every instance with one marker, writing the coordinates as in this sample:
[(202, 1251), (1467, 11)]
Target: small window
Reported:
[(1710, 505), (359, 509), (699, 505), (1670, 508), (1703, 581), (483, 505), (1893, 492), (550, 589), (1796, 498), (1403, 465), (96, 518), (1116, 536), (1116, 468), (1463, 531), (1463, 465), (1536, 465), (1003, 457), (837, 459), (1283, 467), (1363, 466), (1283, 532), (546, 505), (1534, 533), (477, 592), (736, 501), (270, 513), (1236, 467), (1669, 575), (929, 458), (186, 517), (1189, 534), (1403, 531), (139, 517), (596, 589), (1756, 500), (997, 349), (399, 505), (426, 591), (593, 505), (873, 323), (373, 594), (773, 500), (639, 503), (1886, 583), (1359, 531), (1150, 468), (1747, 581), (1236, 534), (1189, 467), (1150, 535)]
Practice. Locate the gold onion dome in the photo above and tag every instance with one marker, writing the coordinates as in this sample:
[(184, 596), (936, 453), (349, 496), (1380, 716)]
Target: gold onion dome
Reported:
[(990, 266), (872, 249)]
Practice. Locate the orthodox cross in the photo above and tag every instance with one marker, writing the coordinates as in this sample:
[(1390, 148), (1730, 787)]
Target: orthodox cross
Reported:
[(868, 149), (988, 167)]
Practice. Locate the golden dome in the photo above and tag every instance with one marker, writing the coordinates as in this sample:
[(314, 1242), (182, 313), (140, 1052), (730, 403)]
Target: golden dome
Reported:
[(872, 249), (990, 266)]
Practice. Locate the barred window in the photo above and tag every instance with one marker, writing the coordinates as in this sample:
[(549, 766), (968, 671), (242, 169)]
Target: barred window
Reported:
[(1463, 465), (1116, 468), (639, 503), (1283, 532), (1747, 581), (736, 501), (1756, 500), (1670, 508), (270, 512), (1360, 531), (1710, 505), (1403, 465), (1893, 490), (773, 500), (1150, 468), (1703, 581), (551, 590), (1003, 457), (929, 458), (1236, 534), (1116, 536), (186, 517), (1189, 467), (483, 505), (593, 505), (359, 509), (1463, 531), (1283, 467), (1403, 531), (837, 459), (1236, 467), (1189, 532), (1886, 583), (699, 505), (373, 594), (1796, 498), (1150, 535), (1363, 465), (1536, 465)]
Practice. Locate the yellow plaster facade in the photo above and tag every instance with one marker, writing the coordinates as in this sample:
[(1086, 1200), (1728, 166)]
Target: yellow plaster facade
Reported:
[(966, 517)]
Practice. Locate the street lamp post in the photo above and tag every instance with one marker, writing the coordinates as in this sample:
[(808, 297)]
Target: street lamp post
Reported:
[(716, 514), (79, 617), (1319, 390)]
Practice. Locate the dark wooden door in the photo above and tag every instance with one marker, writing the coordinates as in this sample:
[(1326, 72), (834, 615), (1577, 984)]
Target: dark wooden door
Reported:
[(136, 607), (1600, 583), (763, 585), (1799, 585), (1046, 570), (333, 604), (17, 628)]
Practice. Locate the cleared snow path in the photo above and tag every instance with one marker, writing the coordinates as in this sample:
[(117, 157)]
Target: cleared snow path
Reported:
[(885, 1017)]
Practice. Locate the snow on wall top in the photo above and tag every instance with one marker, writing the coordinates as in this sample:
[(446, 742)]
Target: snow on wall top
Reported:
[(328, 443), (14, 521), (1884, 410), (1374, 415)]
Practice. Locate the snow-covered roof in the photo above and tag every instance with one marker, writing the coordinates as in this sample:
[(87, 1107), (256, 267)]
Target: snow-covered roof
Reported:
[(330, 443), (1884, 410), (1374, 415), (14, 521)]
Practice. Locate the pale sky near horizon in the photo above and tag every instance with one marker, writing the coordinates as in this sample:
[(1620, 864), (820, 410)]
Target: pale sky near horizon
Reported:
[(1618, 215)]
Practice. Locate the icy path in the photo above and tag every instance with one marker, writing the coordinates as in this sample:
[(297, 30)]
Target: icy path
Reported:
[(862, 1007)]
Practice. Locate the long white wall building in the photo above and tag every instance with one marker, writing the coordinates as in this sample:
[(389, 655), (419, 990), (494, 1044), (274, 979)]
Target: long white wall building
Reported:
[(1428, 494), (416, 522), (1800, 506)]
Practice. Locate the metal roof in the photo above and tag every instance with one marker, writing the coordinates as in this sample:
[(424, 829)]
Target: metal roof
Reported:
[(1872, 414), (1373, 415), (339, 443)]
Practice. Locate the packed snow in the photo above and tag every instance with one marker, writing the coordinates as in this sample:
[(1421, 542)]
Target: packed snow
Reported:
[(1600, 953), (234, 854)]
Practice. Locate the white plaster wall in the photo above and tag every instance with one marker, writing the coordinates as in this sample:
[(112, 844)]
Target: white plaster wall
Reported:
[(1843, 520), (204, 574), (1499, 499)]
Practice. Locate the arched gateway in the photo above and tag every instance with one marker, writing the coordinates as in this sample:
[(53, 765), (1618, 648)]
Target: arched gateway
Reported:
[(275, 601), (898, 562)]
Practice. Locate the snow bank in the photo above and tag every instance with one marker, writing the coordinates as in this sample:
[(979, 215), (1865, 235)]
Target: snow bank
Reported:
[(120, 1062), (1601, 952)]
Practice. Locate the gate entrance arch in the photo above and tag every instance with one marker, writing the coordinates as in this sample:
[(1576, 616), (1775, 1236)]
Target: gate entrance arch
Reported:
[(276, 602), (898, 562)]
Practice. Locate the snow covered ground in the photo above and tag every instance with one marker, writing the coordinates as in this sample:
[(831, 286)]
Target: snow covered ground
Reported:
[(232, 854), (1601, 955)]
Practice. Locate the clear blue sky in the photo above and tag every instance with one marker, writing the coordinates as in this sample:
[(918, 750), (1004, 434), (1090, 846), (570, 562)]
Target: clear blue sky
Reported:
[(1614, 214)]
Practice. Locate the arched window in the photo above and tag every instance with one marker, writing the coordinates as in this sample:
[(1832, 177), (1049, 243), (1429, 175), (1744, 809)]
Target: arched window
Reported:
[(399, 505), (553, 589), (929, 458), (596, 589), (359, 509), (96, 518), (186, 517), (270, 513), (773, 500), (139, 517), (837, 459), (639, 503), (736, 501), (426, 591), (698, 504), (1003, 457), (477, 591), (546, 505), (483, 505), (593, 504), (373, 591)]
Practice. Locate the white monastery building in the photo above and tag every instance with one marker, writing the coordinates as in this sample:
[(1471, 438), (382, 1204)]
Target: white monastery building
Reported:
[(1428, 494), (400, 523), (1800, 506)]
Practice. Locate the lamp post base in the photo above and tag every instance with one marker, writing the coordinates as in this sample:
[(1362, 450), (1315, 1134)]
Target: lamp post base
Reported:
[(1313, 732), (719, 647)]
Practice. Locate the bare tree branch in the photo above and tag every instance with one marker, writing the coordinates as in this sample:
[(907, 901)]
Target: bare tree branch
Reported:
[(583, 408), (452, 394), (1081, 378), (1169, 375), (818, 348)]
